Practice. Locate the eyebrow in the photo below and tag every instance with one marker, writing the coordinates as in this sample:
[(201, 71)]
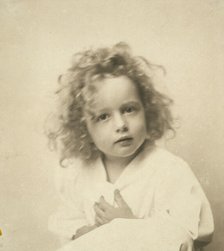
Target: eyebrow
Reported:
[(106, 109), (131, 102)]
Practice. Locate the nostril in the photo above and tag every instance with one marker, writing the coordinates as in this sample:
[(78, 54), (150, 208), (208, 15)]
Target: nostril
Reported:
[(123, 128)]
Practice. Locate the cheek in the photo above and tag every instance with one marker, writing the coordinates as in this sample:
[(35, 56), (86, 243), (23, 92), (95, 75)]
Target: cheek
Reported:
[(139, 123), (97, 133), (100, 142)]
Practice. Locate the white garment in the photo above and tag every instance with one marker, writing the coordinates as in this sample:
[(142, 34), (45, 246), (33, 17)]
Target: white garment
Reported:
[(159, 187)]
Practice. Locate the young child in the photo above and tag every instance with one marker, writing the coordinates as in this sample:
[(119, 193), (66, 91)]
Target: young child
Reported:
[(119, 190)]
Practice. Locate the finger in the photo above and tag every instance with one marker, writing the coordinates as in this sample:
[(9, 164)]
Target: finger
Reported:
[(76, 236), (80, 232), (119, 199), (99, 212), (104, 205), (97, 224), (100, 221)]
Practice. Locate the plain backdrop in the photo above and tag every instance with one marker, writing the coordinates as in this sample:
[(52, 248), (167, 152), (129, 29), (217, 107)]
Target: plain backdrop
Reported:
[(37, 40)]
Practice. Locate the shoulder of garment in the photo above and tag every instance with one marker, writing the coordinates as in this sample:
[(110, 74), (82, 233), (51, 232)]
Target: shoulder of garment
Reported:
[(166, 163)]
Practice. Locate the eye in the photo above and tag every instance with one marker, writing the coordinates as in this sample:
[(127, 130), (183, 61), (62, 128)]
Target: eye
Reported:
[(129, 109), (103, 117)]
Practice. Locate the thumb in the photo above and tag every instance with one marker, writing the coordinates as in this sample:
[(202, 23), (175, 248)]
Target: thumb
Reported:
[(119, 199)]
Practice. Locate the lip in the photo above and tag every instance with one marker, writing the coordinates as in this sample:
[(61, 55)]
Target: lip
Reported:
[(123, 139)]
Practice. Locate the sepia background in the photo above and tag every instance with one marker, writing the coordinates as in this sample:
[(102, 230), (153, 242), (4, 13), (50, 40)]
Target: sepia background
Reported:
[(37, 40)]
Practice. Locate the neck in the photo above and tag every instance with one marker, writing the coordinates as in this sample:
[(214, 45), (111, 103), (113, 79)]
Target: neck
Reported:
[(118, 163)]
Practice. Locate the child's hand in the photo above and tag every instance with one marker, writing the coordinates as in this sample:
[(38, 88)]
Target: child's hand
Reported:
[(105, 212), (83, 230)]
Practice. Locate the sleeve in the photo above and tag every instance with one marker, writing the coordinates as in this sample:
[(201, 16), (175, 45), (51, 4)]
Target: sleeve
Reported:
[(181, 200), (69, 216)]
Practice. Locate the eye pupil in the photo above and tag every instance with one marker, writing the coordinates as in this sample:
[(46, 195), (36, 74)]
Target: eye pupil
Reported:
[(129, 109), (103, 117)]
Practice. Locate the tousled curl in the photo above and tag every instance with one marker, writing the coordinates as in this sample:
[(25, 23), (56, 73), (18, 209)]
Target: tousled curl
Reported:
[(71, 130)]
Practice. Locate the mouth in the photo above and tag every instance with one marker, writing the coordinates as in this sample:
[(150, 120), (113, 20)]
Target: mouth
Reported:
[(124, 139)]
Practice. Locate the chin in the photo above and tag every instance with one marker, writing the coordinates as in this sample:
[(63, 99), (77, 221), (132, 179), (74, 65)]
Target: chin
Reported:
[(129, 153)]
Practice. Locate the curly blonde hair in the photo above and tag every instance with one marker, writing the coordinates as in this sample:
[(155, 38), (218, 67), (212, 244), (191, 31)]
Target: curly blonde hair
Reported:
[(116, 61)]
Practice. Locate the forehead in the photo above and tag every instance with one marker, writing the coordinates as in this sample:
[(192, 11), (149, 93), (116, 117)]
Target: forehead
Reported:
[(114, 91)]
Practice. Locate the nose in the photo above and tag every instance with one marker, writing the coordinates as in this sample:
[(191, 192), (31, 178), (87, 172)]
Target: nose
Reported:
[(120, 123)]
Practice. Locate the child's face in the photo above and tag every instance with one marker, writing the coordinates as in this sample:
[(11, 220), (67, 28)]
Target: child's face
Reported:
[(118, 127)]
